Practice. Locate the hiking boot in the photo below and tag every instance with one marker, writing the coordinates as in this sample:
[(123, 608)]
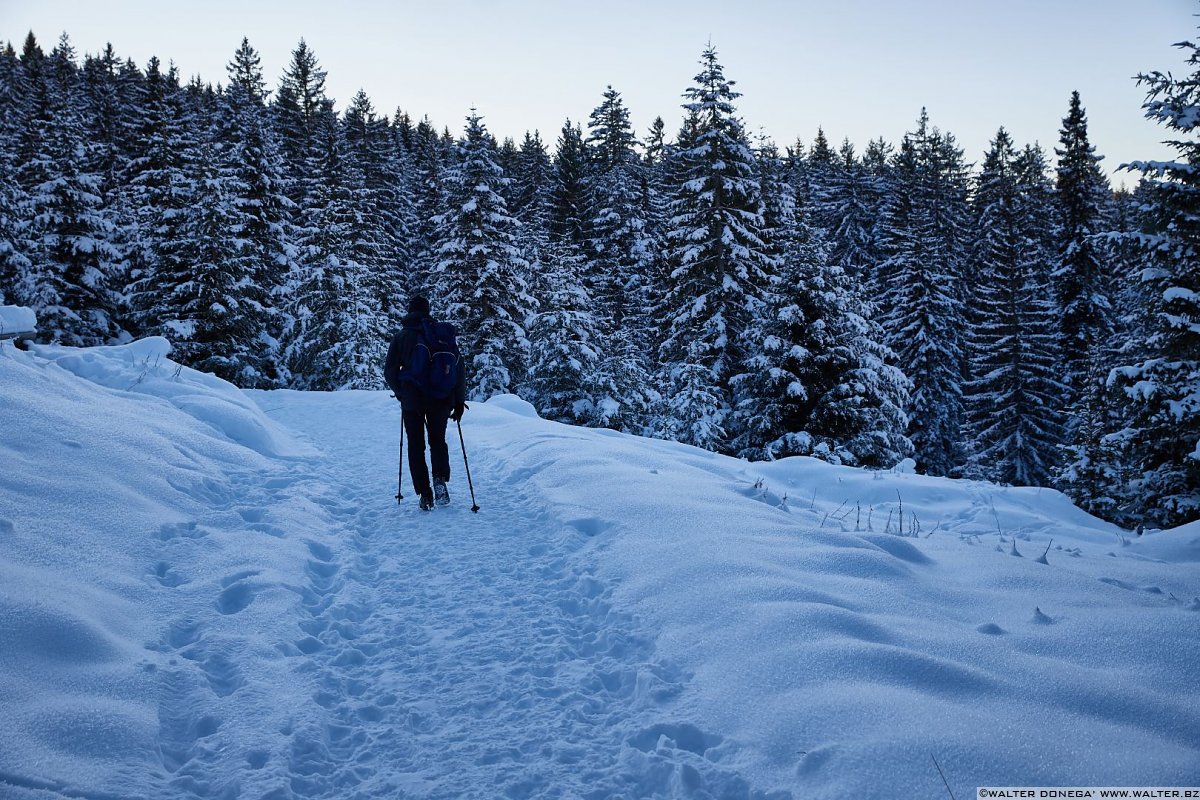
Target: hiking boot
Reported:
[(440, 492), (427, 502)]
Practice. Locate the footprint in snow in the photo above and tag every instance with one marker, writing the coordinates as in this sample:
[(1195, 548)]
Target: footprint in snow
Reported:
[(166, 575), (186, 530)]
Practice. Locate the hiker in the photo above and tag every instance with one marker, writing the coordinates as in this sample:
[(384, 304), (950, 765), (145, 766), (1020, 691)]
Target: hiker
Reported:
[(424, 370)]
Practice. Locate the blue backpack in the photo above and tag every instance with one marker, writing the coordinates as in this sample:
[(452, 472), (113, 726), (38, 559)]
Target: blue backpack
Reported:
[(434, 364)]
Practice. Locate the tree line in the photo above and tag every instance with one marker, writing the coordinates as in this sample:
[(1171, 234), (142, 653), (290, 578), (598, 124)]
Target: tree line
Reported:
[(1019, 321)]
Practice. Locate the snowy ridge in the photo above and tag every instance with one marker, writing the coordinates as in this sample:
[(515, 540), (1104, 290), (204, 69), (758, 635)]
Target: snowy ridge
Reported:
[(213, 594)]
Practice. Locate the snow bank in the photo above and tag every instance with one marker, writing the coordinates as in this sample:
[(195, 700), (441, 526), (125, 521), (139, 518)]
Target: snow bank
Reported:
[(17, 319), (106, 567), (143, 367), (1006, 632)]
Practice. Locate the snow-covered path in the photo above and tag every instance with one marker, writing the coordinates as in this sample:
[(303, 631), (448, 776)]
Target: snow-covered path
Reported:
[(460, 655)]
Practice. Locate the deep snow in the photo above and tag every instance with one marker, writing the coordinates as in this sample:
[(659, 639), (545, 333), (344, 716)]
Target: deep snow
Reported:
[(17, 319), (211, 593)]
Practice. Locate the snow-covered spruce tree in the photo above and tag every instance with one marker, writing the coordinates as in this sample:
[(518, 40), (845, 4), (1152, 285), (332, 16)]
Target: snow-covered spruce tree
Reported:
[(112, 94), (923, 233), (565, 380), (203, 304), (621, 253), (1093, 471), (428, 165), (615, 226), (819, 382), (849, 209), (480, 281), (656, 142), (341, 327), (68, 233), (159, 190), (299, 102), (1162, 434), (1015, 420), (388, 216), (261, 225), (1129, 259), (720, 264), (878, 162), (656, 196), (102, 115), (15, 280), (568, 199), (14, 266), (1083, 279), (816, 173), (565, 341), (506, 157), (531, 178)]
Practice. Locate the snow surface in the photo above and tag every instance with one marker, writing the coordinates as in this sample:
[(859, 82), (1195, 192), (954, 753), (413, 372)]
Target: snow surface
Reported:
[(209, 593), (17, 319)]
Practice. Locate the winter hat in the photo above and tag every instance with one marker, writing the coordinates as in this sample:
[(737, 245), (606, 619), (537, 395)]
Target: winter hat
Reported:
[(418, 305)]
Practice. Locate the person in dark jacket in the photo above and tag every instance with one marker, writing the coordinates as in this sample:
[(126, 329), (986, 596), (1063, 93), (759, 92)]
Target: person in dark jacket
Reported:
[(421, 413)]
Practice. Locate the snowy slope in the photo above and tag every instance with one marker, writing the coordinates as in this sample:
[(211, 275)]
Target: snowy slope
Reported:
[(212, 594)]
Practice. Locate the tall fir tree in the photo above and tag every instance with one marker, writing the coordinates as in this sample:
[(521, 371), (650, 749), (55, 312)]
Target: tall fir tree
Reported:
[(481, 280), (342, 328), (388, 215), (252, 171), (297, 110), (160, 191), (720, 262), (1161, 434), (15, 277), (819, 381), (203, 304), (532, 176), (849, 210), (621, 253), (565, 380), (429, 163), (69, 232), (923, 232), (1013, 406), (568, 199), (1083, 279)]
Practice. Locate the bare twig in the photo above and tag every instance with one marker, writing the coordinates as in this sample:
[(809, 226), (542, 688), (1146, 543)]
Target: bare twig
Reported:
[(836, 510), (946, 782), (992, 503)]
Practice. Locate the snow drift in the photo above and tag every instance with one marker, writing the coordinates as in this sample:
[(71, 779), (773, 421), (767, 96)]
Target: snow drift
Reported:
[(209, 593)]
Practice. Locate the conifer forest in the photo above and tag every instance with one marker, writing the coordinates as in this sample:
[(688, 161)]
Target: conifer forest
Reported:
[(1004, 315)]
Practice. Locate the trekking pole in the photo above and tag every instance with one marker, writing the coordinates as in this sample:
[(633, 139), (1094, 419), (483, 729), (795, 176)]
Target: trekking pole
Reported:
[(400, 475), (474, 505)]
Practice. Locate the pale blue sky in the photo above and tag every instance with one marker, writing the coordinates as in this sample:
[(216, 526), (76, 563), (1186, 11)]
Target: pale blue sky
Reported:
[(860, 69)]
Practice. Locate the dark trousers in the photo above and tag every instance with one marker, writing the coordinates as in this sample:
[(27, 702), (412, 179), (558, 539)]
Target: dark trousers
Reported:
[(415, 425)]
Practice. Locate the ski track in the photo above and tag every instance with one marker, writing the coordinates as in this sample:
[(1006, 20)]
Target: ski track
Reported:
[(443, 654)]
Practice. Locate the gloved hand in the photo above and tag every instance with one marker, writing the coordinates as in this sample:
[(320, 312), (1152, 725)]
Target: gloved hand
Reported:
[(457, 413)]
